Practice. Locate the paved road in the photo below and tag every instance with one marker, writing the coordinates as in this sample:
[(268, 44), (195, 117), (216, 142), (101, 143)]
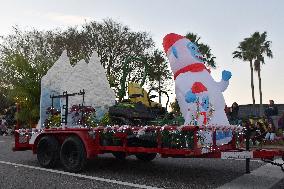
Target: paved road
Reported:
[(160, 173)]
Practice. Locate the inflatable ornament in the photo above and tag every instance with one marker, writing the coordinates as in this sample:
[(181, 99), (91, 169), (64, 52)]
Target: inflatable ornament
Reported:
[(199, 96)]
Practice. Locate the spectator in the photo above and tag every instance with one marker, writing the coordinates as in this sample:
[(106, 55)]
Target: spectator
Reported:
[(235, 111), (270, 135), (233, 114), (271, 110)]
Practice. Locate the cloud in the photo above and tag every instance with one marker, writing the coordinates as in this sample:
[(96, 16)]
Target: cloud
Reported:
[(67, 19)]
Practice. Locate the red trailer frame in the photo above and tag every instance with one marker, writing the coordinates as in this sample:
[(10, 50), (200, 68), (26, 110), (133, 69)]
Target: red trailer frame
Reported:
[(91, 140)]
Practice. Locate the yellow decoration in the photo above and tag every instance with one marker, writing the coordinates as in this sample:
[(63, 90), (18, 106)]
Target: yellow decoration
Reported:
[(138, 94)]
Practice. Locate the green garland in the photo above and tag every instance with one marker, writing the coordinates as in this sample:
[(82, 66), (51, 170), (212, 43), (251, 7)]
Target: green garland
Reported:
[(178, 139), (170, 139)]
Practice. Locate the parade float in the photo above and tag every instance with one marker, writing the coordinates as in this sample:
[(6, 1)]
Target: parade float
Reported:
[(72, 98)]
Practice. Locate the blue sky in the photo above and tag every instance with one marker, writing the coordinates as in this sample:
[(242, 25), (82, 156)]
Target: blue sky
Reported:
[(222, 24)]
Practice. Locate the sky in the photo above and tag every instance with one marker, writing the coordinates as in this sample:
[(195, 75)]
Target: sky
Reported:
[(221, 24)]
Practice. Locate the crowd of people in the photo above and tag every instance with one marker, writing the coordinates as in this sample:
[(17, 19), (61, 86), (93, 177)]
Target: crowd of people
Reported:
[(261, 128)]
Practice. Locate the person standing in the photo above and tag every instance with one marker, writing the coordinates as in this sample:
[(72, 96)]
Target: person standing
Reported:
[(235, 111), (271, 110)]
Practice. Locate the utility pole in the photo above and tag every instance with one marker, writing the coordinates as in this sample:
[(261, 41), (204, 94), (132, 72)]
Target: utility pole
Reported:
[(160, 97)]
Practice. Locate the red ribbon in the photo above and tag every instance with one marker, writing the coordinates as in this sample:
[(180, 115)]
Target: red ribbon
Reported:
[(205, 117)]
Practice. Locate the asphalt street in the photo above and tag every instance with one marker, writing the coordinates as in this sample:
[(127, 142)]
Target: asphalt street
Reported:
[(21, 170)]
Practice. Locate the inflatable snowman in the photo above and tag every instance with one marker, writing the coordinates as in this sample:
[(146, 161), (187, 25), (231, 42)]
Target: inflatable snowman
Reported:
[(199, 96)]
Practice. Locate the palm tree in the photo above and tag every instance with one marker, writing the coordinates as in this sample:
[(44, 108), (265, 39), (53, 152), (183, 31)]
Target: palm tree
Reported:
[(262, 48), (246, 52), (205, 50)]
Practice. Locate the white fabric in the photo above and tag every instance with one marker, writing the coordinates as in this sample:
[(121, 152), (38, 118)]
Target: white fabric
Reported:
[(180, 56)]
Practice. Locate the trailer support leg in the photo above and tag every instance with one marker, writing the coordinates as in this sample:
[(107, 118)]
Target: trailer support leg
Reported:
[(247, 148), (247, 165)]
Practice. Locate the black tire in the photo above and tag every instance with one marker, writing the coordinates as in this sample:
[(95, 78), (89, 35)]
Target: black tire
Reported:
[(146, 156), (119, 155), (73, 154), (48, 151)]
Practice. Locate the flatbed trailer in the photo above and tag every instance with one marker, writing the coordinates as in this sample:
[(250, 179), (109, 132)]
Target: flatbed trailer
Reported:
[(72, 147)]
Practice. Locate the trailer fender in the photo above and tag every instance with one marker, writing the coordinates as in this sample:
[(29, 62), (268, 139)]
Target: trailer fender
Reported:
[(86, 139)]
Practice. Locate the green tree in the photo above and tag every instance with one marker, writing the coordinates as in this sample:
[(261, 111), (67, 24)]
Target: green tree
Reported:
[(204, 49), (262, 48), (5, 102), (25, 56), (246, 52), (115, 43), (26, 87), (253, 49), (159, 73)]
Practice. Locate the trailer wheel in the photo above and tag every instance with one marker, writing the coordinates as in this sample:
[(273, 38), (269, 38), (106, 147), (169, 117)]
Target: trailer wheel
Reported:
[(146, 156), (119, 155), (48, 151), (73, 154)]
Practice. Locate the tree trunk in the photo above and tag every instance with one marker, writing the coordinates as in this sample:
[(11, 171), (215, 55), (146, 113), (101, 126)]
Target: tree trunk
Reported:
[(160, 97), (252, 87), (109, 66), (260, 92)]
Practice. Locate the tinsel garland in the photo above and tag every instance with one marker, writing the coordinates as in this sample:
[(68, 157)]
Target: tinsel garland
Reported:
[(207, 115), (170, 139), (53, 118), (83, 115), (177, 139)]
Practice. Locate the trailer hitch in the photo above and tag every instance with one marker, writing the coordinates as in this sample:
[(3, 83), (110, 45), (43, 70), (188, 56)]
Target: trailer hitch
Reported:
[(273, 163)]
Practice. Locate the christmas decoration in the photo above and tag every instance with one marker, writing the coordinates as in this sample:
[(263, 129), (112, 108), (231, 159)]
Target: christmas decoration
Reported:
[(199, 95), (53, 118), (83, 115), (63, 77)]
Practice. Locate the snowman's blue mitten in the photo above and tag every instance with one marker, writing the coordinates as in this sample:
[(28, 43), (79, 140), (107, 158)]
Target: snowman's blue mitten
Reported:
[(190, 97), (226, 75)]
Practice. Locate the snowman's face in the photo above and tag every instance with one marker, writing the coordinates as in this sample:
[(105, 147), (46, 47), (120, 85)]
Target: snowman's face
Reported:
[(183, 53), (194, 51)]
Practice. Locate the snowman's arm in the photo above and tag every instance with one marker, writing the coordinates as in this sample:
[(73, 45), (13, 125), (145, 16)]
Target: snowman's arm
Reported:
[(223, 84)]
